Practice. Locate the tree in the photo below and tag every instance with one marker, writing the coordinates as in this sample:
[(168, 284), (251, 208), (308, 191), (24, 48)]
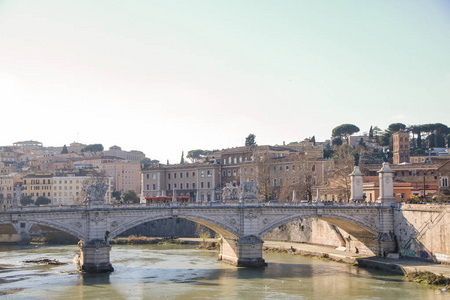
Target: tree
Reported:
[(343, 167), (182, 157), (384, 139), (263, 176), (26, 200), (148, 162), (64, 150), (300, 179), (371, 132), (116, 194), (313, 140), (130, 196), (337, 141), (197, 155), (394, 127), (93, 148), (344, 131), (202, 232), (250, 140), (42, 201)]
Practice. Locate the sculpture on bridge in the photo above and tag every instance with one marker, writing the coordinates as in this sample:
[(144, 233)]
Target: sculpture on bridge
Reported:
[(230, 192), (248, 190), (96, 191), (356, 156)]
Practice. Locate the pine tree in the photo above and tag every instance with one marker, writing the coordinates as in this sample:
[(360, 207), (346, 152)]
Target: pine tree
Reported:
[(64, 150), (182, 157)]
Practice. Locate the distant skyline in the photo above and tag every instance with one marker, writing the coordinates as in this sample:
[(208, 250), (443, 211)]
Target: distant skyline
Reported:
[(164, 77)]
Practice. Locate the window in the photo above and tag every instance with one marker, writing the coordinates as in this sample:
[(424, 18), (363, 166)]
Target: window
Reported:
[(208, 184), (148, 186), (168, 176), (229, 160), (154, 186), (174, 185), (313, 168), (444, 182), (181, 186), (181, 175), (229, 172), (274, 182), (187, 185), (154, 176), (224, 173), (201, 184), (240, 159), (193, 185), (235, 160), (187, 174), (287, 168), (168, 187), (148, 176), (174, 175), (193, 174), (234, 172), (202, 174), (208, 173)]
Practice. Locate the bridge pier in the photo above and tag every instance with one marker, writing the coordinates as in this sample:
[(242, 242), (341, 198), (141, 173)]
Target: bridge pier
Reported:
[(23, 231), (94, 257), (244, 252)]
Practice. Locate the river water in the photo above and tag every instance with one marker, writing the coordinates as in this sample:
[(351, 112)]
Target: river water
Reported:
[(183, 272)]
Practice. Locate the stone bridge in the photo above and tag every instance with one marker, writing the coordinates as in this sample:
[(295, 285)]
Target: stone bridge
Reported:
[(241, 225)]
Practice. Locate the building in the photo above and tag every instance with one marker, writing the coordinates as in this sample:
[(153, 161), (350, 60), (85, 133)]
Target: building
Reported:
[(400, 146), (28, 146), (6, 190), (70, 190), (37, 185), (371, 186), (132, 155), (198, 181), (443, 173)]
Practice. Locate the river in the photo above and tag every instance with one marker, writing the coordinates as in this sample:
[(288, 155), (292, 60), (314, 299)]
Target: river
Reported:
[(183, 272)]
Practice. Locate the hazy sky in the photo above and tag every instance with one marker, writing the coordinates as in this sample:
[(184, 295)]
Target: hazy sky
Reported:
[(167, 76)]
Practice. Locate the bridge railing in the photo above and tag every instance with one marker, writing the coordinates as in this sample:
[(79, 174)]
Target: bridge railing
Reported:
[(44, 208)]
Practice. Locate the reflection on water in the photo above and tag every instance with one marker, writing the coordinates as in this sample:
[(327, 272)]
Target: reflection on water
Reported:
[(181, 272)]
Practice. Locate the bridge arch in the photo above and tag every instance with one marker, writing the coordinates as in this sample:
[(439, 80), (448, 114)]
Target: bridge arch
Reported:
[(55, 225), (223, 229), (350, 224)]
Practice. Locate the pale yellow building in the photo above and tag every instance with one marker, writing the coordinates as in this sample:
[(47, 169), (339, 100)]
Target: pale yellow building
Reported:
[(37, 185), (70, 190)]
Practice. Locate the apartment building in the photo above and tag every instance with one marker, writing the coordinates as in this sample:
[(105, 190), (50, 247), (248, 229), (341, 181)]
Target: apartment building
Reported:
[(38, 184), (198, 181), (6, 190), (70, 190)]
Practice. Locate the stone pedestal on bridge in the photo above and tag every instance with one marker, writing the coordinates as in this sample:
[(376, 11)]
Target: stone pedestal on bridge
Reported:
[(357, 191), (386, 181), (94, 257)]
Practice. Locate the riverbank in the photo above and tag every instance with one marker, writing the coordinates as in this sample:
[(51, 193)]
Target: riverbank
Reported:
[(404, 266)]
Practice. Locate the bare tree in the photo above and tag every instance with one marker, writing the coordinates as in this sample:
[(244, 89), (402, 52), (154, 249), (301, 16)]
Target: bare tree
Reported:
[(262, 175), (343, 167)]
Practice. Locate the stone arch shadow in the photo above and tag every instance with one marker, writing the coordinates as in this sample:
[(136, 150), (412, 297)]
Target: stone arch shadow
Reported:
[(364, 232), (54, 225), (224, 230)]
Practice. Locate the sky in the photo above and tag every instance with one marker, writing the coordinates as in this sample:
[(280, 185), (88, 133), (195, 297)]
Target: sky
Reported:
[(168, 76)]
